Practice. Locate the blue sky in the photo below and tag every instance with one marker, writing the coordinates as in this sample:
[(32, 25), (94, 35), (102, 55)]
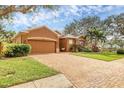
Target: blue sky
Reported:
[(57, 19)]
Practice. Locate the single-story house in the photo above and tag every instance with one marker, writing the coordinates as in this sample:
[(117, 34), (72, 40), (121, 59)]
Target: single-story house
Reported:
[(45, 40)]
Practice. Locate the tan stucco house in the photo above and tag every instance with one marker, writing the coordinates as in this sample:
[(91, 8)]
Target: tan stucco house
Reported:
[(45, 40)]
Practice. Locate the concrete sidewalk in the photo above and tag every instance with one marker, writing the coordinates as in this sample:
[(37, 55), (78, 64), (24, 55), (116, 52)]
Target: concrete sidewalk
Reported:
[(57, 81)]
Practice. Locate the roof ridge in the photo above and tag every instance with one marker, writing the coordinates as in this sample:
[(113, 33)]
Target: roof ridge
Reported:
[(42, 27)]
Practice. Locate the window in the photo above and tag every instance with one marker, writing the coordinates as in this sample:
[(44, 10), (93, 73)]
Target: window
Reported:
[(70, 41)]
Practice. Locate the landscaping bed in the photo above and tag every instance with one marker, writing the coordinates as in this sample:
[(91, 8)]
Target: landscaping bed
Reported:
[(23, 69), (109, 56)]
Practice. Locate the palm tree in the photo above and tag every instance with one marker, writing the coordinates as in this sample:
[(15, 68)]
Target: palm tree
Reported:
[(96, 36)]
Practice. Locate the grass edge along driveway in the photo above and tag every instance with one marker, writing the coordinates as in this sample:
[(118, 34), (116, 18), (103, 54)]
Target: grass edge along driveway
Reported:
[(100, 56), (18, 70)]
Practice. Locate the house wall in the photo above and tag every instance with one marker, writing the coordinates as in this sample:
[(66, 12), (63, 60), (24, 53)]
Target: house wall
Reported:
[(17, 39), (65, 43), (24, 38), (38, 32), (69, 45), (44, 32)]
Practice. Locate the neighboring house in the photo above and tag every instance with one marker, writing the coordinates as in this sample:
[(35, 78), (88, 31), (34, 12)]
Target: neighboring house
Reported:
[(44, 40)]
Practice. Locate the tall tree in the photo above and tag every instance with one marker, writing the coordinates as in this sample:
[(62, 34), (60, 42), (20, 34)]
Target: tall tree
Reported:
[(6, 10), (72, 28), (80, 27), (96, 36), (5, 36), (120, 23), (115, 28)]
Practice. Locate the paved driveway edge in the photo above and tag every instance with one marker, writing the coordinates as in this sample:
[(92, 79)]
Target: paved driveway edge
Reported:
[(56, 81)]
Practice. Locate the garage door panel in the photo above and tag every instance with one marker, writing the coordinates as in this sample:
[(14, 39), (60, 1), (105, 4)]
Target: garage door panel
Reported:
[(42, 46)]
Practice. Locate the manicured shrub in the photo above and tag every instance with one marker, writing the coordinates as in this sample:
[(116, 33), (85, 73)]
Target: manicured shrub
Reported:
[(16, 50), (120, 51)]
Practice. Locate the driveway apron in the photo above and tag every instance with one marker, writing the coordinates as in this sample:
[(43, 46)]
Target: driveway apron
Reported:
[(85, 72)]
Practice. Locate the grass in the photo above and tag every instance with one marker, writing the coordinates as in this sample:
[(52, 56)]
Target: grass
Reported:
[(101, 56), (23, 69)]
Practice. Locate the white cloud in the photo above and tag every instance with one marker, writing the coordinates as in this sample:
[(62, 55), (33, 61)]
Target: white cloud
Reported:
[(44, 16), (108, 8), (55, 13), (21, 19), (68, 11), (57, 20), (74, 7), (64, 15), (71, 10), (91, 9), (34, 19)]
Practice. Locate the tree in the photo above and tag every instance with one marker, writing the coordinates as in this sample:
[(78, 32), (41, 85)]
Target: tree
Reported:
[(80, 27), (6, 10), (5, 36), (72, 28), (120, 23), (83, 26), (96, 36), (115, 28), (120, 43)]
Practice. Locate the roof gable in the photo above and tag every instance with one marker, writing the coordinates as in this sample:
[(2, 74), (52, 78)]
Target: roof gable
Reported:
[(33, 29)]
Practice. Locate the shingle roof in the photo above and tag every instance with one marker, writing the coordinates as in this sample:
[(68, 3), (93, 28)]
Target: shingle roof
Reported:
[(27, 31)]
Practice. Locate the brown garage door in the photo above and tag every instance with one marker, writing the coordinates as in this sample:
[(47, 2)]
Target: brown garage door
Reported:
[(39, 46)]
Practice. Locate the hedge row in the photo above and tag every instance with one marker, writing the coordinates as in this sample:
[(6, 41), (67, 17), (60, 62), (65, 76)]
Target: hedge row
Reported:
[(120, 51), (16, 50)]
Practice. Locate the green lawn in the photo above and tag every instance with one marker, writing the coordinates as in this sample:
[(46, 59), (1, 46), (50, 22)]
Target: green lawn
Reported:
[(101, 56), (23, 69)]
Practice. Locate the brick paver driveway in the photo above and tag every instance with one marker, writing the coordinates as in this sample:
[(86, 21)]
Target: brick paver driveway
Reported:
[(86, 72)]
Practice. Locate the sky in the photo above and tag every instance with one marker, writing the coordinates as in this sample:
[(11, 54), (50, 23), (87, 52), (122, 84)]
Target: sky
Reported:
[(58, 19)]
